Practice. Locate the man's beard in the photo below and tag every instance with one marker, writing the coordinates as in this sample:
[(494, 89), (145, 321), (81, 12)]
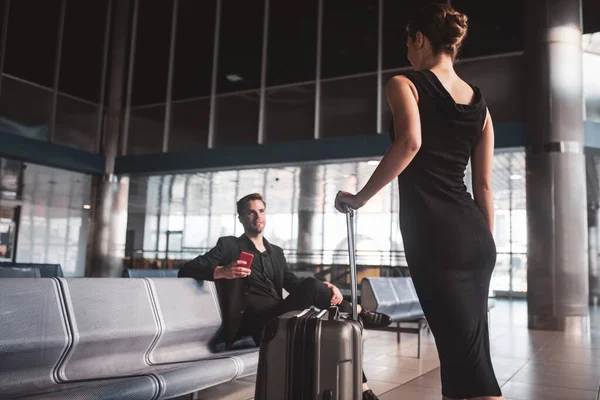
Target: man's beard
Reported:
[(255, 230)]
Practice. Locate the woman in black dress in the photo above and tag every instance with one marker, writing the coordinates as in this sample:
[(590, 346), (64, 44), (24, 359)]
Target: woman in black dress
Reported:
[(439, 123)]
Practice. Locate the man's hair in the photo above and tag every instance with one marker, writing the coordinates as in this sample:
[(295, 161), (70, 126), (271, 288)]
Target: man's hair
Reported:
[(241, 204)]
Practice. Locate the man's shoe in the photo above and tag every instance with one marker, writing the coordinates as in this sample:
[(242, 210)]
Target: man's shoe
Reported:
[(369, 395), (374, 320)]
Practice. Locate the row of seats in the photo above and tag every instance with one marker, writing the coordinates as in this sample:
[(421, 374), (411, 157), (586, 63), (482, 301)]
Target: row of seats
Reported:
[(30, 270), (396, 297), (102, 338)]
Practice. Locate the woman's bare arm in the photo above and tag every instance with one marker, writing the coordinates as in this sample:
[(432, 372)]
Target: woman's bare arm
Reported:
[(402, 97), (481, 163)]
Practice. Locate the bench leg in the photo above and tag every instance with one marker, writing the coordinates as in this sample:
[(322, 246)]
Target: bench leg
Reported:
[(419, 341), (398, 332)]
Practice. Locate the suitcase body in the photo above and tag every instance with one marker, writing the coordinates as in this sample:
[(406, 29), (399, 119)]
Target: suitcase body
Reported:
[(306, 355), (313, 354)]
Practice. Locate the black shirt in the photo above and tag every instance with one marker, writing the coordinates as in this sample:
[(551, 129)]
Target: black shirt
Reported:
[(262, 276)]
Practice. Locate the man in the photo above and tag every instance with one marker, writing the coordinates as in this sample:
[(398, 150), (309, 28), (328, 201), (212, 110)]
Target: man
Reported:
[(250, 297)]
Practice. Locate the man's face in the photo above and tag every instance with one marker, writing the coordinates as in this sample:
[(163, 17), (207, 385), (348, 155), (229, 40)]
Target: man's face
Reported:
[(254, 217)]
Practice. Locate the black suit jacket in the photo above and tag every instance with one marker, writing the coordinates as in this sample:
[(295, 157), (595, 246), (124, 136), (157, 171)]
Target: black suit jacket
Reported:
[(233, 292)]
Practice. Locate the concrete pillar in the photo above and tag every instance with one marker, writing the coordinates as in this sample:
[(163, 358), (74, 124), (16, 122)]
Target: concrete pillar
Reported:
[(307, 205), (108, 227), (557, 274), (594, 270), (108, 217)]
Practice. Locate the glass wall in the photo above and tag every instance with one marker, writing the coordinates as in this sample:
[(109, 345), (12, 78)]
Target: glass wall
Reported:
[(311, 70), (51, 86), (48, 207), (178, 217)]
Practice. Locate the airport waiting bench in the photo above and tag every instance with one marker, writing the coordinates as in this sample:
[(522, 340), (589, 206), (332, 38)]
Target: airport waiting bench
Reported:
[(106, 338), (397, 297), (149, 273), (30, 270)]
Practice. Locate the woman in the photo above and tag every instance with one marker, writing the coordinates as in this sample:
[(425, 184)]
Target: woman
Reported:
[(439, 123)]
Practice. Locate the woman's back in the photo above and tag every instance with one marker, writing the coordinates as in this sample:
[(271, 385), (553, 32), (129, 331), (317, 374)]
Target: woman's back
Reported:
[(449, 132)]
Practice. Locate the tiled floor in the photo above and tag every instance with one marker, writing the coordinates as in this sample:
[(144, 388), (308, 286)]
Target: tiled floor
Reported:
[(530, 365)]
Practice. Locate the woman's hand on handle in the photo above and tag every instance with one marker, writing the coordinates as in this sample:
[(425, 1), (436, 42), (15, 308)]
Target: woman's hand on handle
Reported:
[(351, 200)]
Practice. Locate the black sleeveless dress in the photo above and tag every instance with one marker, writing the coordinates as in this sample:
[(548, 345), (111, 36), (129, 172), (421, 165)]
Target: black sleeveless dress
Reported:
[(449, 247)]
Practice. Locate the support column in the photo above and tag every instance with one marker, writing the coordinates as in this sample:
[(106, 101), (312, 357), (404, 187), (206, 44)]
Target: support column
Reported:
[(557, 274), (108, 217), (594, 270), (307, 206)]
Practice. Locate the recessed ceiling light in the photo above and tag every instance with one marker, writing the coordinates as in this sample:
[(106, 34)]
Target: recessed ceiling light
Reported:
[(516, 177), (234, 78), (86, 206), (373, 162)]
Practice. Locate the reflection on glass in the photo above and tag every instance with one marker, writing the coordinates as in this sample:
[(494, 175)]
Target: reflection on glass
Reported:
[(76, 124), (349, 107), (350, 35), (24, 109), (292, 26), (146, 130), (7, 237), (53, 226), (81, 66), (189, 125), (290, 113), (152, 52), (31, 40), (237, 119), (194, 49), (492, 33), (240, 55)]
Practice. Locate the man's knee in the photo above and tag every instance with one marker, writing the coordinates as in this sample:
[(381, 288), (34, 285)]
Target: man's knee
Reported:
[(313, 285), (316, 291), (309, 283)]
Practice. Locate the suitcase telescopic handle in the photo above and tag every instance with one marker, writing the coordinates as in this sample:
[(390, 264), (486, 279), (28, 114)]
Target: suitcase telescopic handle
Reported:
[(352, 259)]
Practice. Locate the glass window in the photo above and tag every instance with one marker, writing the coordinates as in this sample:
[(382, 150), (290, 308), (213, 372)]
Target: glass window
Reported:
[(53, 225), (223, 218), (3, 6), (189, 125), (24, 109), (240, 45), (152, 52), (81, 65), (497, 32), (591, 16), (290, 113), (192, 76), (349, 106), (498, 78), (237, 119), (31, 40), (76, 124), (349, 37), (591, 85), (292, 47), (146, 130)]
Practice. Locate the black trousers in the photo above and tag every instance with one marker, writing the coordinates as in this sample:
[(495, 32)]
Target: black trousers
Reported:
[(261, 309)]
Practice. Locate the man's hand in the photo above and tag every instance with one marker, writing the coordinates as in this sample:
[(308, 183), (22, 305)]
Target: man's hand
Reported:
[(336, 297), (234, 270)]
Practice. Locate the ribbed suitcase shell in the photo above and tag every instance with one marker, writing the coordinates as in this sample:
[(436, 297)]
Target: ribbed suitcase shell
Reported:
[(308, 356), (320, 359)]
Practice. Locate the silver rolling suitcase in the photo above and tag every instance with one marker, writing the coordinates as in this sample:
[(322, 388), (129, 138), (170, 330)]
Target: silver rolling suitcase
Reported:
[(313, 354)]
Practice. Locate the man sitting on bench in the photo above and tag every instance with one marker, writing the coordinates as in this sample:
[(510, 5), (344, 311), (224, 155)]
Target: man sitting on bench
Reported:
[(250, 297)]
